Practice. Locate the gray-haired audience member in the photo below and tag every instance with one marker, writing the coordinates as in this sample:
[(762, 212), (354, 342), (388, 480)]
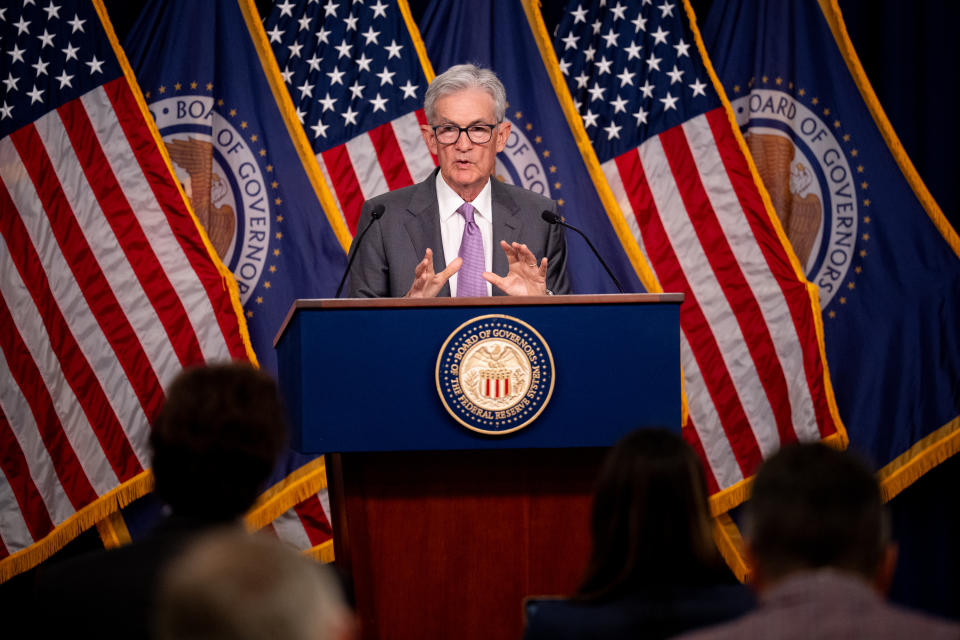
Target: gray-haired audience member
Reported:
[(232, 586), (817, 538), (460, 231)]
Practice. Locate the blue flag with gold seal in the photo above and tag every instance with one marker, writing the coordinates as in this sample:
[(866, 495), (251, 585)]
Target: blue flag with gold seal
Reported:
[(238, 149), (541, 154), (861, 222)]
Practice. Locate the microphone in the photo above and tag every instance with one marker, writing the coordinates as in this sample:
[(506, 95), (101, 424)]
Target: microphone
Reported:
[(553, 218), (375, 214)]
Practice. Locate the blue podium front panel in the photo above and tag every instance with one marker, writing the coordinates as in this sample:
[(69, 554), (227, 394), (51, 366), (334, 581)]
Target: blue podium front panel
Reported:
[(363, 375)]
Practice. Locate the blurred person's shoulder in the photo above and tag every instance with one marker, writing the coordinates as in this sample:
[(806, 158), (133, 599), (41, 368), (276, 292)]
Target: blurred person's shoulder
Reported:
[(828, 604)]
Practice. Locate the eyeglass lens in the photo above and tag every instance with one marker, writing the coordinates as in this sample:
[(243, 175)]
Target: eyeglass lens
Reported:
[(478, 134)]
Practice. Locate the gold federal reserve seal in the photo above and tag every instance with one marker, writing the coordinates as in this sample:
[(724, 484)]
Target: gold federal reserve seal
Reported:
[(495, 374)]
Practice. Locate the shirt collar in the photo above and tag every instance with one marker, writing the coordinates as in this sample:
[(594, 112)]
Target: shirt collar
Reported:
[(448, 200), (813, 583)]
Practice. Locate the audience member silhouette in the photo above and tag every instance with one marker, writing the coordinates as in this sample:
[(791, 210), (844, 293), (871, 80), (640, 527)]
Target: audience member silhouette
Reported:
[(231, 586), (818, 543), (214, 444), (654, 569)]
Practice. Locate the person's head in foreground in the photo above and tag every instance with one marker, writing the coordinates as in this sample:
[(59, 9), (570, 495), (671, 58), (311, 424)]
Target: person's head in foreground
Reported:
[(650, 519), (216, 439), (814, 507), (229, 585)]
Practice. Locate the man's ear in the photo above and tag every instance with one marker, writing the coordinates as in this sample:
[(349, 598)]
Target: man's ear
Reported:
[(427, 132), (503, 133), (883, 578)]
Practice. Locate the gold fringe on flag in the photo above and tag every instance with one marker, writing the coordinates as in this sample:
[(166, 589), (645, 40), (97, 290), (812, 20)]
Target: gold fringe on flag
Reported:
[(730, 544), (924, 455), (113, 531), (323, 552), (306, 481), (88, 516)]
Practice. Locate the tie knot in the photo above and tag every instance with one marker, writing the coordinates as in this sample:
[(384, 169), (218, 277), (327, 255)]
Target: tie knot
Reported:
[(466, 210)]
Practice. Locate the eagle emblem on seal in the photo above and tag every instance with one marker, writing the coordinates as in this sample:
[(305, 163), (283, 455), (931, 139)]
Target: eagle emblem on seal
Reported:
[(787, 181), (206, 189)]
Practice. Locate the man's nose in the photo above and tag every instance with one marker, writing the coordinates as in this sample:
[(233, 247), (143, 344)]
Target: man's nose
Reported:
[(463, 142)]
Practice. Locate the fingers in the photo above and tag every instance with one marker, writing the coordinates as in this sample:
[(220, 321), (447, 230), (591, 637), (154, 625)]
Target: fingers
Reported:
[(525, 255), (422, 275), (512, 251), (424, 266), (426, 282), (519, 255), (524, 275), (493, 279), (504, 284), (451, 269), (517, 252), (416, 288)]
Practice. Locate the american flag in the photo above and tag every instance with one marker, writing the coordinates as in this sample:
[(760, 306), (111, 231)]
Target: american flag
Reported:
[(357, 79), (751, 344), (107, 286)]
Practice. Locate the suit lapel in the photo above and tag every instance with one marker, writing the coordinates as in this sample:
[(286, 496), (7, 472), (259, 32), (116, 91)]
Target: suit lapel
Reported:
[(423, 225), (506, 226)]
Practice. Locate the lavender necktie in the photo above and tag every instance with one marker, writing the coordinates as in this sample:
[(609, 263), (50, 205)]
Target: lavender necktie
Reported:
[(469, 280)]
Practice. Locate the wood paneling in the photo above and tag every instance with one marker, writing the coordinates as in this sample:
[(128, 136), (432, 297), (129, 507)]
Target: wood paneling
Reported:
[(447, 544)]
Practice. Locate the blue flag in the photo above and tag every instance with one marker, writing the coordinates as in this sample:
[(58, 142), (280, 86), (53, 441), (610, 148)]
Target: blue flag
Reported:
[(211, 83), (863, 226), (541, 154)]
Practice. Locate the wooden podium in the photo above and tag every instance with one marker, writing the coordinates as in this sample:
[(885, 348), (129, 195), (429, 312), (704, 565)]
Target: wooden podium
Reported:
[(440, 530)]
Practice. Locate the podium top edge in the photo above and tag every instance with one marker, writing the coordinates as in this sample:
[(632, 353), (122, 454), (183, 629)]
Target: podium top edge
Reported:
[(484, 301)]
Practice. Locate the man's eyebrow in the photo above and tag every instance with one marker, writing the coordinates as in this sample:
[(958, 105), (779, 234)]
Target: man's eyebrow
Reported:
[(448, 121)]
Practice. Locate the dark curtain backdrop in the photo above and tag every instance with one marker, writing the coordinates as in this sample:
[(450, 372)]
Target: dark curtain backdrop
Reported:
[(909, 51)]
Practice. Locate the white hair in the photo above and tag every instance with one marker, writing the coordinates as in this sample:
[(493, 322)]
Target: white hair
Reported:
[(466, 76), (237, 586)]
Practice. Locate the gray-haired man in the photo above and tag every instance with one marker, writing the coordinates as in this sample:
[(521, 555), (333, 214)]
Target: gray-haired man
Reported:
[(460, 232)]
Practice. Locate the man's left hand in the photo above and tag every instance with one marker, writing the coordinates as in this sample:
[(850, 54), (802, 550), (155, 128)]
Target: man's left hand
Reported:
[(524, 277)]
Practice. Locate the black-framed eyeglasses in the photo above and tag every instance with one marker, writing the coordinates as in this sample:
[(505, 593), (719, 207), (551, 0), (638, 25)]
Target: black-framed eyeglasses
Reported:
[(476, 133)]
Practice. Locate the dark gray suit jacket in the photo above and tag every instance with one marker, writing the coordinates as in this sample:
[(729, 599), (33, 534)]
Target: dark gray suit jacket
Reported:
[(390, 251)]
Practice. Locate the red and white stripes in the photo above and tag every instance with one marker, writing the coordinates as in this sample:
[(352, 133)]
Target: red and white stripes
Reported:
[(106, 292), (753, 374), (306, 525), (496, 387), (388, 157)]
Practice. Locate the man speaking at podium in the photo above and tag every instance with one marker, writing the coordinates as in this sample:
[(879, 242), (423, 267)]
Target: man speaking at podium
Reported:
[(460, 232)]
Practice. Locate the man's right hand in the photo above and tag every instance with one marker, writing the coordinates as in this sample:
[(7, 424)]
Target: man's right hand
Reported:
[(427, 283)]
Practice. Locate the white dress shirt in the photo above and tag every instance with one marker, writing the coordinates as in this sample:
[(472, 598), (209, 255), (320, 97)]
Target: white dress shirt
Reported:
[(452, 224)]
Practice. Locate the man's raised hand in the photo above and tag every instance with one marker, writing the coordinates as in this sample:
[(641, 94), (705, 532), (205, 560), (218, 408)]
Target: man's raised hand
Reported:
[(524, 276), (427, 283)]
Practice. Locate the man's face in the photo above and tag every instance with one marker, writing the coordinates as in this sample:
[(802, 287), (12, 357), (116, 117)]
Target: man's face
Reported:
[(465, 165)]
